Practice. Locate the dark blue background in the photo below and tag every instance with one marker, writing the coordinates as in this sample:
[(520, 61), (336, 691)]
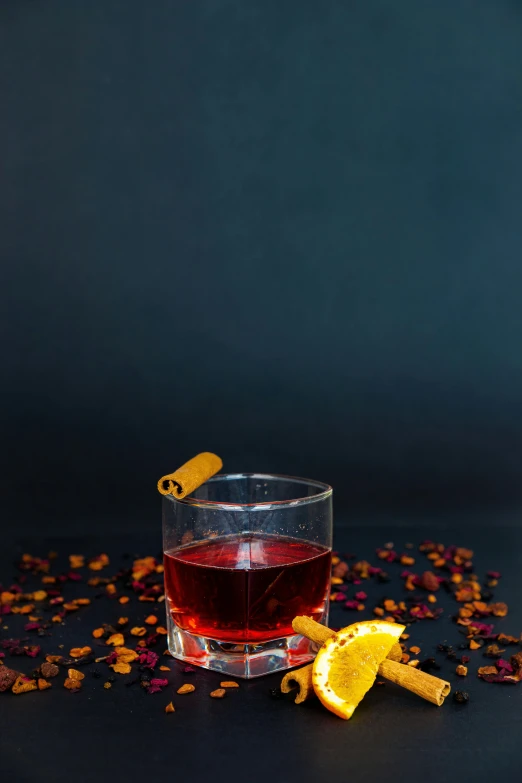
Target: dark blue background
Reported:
[(289, 232)]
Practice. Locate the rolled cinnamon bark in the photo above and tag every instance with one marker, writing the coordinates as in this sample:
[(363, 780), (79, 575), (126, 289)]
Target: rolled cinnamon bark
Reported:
[(433, 689), (191, 475)]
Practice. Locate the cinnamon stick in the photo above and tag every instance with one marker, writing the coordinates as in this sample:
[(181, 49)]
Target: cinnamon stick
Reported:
[(303, 679), (190, 476), (433, 689)]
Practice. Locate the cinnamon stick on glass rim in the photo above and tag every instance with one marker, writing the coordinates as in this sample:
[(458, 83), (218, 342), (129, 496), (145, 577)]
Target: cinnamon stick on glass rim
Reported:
[(191, 475), (428, 687)]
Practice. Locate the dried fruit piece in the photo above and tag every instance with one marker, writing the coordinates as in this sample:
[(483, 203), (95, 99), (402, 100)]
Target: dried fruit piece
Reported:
[(229, 684), (415, 650), (219, 693), (473, 645), (107, 685), (124, 599), (138, 631), (121, 668), (7, 678), (123, 620), (49, 670), (74, 674), (116, 640), (487, 670), (43, 684), (461, 697), (24, 684), (429, 581), (170, 707), (79, 652), (187, 688), (54, 658), (151, 619), (164, 669), (461, 670), (72, 685)]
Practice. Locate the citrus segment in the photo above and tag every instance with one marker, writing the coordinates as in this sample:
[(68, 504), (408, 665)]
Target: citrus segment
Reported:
[(346, 665)]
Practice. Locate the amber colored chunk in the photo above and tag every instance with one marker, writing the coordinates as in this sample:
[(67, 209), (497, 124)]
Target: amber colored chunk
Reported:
[(72, 685), (74, 674), (187, 688), (24, 685)]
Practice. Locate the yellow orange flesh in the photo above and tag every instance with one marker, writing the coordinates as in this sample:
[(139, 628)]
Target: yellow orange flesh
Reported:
[(346, 665)]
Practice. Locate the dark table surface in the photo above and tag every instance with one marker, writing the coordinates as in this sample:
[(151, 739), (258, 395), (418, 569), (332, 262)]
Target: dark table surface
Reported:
[(98, 734)]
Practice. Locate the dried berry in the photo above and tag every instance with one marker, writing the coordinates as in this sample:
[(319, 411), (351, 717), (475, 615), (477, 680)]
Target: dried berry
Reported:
[(461, 697), (429, 665)]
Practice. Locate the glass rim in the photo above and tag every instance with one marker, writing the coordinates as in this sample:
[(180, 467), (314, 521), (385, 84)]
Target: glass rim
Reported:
[(326, 491)]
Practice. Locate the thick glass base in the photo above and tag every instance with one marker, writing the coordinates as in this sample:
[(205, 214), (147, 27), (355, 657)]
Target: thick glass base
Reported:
[(240, 660)]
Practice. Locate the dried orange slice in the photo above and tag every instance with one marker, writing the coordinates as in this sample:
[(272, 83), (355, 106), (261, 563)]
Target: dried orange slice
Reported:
[(346, 665)]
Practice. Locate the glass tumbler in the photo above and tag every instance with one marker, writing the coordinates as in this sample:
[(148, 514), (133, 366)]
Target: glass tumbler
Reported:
[(243, 556)]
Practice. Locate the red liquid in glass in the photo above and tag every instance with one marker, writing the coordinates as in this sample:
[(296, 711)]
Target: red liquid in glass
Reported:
[(246, 588)]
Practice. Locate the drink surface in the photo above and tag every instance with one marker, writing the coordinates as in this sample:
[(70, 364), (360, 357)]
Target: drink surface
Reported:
[(246, 588)]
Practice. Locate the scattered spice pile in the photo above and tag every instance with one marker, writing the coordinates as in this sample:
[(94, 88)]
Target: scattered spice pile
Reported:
[(121, 648), (450, 569), (133, 646)]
